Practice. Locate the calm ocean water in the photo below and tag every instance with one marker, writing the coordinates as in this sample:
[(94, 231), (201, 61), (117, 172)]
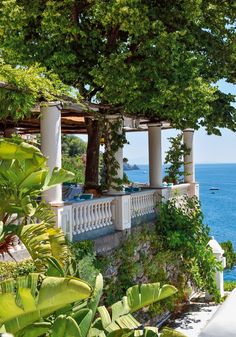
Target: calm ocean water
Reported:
[(219, 207)]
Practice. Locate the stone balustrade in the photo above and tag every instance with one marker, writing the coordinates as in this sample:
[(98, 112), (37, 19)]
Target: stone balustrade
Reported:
[(143, 203), (91, 214), (90, 219)]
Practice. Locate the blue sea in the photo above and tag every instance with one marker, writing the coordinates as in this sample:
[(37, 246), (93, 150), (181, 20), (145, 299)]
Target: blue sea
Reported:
[(219, 207)]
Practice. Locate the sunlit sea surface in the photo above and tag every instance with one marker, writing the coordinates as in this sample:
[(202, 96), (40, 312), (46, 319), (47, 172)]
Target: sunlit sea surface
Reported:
[(219, 207)]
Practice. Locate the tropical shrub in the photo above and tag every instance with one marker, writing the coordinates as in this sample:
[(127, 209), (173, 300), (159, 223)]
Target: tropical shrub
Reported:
[(229, 253), (29, 299), (62, 307), (140, 259), (229, 285), (182, 231), (13, 269), (23, 177)]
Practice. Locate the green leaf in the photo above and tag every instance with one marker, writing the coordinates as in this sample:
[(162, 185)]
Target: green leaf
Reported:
[(65, 327), (35, 330), (30, 298), (143, 295), (105, 316), (54, 269), (59, 176)]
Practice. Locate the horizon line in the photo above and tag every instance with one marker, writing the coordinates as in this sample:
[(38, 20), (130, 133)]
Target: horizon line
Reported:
[(201, 163)]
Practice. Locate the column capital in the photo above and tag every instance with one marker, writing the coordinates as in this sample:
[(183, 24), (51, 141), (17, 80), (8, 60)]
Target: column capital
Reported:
[(152, 125), (45, 104), (113, 117), (188, 130)]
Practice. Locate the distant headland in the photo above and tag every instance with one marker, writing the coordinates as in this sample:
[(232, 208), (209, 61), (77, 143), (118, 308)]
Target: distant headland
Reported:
[(129, 167)]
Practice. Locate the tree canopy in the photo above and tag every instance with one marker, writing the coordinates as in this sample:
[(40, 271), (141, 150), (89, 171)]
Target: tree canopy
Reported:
[(152, 58), (72, 149), (21, 87)]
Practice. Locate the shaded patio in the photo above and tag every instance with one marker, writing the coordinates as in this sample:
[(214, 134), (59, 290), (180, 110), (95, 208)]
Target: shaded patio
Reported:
[(114, 210)]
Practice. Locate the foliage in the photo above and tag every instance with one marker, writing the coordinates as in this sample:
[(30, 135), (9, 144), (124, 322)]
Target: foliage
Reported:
[(15, 269), (22, 87), (115, 139), (84, 258), (73, 146), (229, 285), (146, 58), (182, 230), (77, 319), (141, 258), (81, 249), (23, 177), (30, 298), (229, 253), (175, 159)]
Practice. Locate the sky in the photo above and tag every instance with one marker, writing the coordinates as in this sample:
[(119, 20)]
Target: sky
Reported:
[(207, 149)]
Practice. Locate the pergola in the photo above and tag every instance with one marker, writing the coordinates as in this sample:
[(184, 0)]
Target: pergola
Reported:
[(54, 118)]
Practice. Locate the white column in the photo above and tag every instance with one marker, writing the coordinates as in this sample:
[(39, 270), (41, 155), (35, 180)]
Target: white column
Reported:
[(50, 124), (155, 158), (189, 166)]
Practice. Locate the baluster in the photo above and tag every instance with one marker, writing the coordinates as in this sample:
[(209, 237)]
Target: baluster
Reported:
[(99, 215), (103, 214), (149, 203), (140, 205), (74, 220), (96, 216), (92, 215), (146, 197), (109, 213), (85, 216), (143, 204), (133, 207), (89, 211), (79, 220), (153, 203), (137, 208), (139, 198)]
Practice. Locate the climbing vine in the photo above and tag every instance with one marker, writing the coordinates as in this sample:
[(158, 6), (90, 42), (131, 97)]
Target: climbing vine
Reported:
[(21, 88), (114, 138), (175, 160)]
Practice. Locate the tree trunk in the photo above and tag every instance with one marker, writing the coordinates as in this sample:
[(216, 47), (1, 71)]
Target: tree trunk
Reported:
[(92, 160)]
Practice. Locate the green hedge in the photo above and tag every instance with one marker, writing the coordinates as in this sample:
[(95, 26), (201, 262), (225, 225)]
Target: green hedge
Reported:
[(14, 269)]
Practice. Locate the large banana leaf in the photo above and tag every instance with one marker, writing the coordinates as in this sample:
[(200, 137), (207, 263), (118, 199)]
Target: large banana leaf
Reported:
[(84, 317), (58, 176), (30, 298), (65, 327), (34, 330), (136, 298), (143, 295), (11, 150), (42, 242), (140, 296), (23, 176)]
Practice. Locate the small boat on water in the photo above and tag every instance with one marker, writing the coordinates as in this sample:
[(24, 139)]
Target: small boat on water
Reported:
[(214, 189)]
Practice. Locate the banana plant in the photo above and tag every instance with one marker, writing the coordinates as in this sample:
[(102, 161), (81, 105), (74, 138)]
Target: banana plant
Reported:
[(24, 175), (31, 298), (116, 321)]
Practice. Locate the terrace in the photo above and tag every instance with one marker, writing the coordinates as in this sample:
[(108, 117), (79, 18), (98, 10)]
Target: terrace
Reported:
[(114, 210)]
